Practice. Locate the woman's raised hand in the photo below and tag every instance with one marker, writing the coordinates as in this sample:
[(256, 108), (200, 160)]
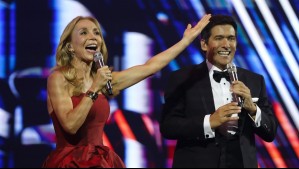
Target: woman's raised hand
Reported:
[(192, 32)]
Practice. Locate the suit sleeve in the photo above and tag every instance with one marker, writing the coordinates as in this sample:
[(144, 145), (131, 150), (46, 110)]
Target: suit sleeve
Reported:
[(175, 124), (268, 128)]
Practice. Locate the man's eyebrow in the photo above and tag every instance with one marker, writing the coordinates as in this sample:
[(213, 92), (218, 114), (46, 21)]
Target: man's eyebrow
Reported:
[(221, 36)]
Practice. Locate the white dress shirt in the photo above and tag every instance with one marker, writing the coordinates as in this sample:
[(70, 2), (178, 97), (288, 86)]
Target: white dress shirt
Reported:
[(222, 96)]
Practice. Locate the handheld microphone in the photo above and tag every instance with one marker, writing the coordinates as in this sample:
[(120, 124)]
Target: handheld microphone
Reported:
[(99, 61), (232, 71)]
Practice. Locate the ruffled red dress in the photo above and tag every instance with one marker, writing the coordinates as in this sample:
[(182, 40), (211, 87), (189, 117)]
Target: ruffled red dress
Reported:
[(85, 149)]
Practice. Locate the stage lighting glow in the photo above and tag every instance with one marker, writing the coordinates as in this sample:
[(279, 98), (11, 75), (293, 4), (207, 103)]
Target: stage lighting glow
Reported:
[(2, 41), (137, 51), (162, 17), (279, 38), (271, 68), (285, 4)]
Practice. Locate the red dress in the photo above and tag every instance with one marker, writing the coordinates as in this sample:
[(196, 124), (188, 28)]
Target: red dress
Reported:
[(85, 149)]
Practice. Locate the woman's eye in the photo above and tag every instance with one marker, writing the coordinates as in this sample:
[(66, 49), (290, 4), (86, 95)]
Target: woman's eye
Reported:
[(83, 33)]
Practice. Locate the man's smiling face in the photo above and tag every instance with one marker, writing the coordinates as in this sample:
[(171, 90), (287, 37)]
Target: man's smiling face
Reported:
[(221, 46)]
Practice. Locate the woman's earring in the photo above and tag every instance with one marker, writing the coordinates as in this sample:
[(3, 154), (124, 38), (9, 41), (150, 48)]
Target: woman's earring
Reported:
[(72, 52)]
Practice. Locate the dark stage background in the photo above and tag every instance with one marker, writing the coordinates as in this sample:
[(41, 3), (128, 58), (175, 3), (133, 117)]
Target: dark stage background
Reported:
[(134, 31)]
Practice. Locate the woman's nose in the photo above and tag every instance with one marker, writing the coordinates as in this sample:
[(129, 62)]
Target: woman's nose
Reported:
[(92, 36)]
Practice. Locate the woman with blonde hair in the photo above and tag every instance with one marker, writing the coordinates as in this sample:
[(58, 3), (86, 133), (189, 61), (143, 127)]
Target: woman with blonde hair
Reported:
[(77, 99)]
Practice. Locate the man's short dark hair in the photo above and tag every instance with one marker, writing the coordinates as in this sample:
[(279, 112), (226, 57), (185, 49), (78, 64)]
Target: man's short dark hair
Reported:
[(215, 21)]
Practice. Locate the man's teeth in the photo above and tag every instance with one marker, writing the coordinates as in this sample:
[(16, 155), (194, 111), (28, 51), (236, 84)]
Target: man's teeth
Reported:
[(224, 53)]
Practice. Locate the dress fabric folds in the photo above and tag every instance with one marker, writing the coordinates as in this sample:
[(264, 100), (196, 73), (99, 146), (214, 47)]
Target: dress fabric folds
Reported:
[(85, 149)]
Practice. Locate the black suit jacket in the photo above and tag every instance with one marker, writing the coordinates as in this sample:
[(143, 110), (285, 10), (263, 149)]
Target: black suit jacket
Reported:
[(189, 98)]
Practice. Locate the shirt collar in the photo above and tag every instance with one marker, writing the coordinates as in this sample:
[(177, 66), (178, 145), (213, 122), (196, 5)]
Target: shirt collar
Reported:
[(212, 67)]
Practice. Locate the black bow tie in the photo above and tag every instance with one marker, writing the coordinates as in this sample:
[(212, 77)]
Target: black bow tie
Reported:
[(219, 75)]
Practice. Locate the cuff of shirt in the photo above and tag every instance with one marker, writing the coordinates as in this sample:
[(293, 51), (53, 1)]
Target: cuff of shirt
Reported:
[(209, 133), (258, 117)]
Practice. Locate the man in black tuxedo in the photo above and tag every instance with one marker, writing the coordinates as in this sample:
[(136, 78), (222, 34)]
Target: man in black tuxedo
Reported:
[(212, 130)]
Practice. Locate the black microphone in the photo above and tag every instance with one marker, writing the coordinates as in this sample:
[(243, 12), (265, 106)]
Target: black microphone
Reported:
[(232, 71), (99, 61)]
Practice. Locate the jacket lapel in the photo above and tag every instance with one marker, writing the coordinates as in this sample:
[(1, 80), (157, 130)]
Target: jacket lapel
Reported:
[(204, 89), (243, 115)]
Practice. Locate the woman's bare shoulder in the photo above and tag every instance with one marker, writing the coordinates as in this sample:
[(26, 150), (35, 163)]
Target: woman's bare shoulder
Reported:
[(56, 78)]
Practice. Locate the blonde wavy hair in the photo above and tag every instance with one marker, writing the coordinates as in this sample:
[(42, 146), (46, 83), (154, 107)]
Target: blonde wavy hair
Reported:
[(64, 57)]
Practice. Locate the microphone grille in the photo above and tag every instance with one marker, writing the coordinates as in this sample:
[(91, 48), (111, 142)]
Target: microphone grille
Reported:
[(231, 67), (97, 56)]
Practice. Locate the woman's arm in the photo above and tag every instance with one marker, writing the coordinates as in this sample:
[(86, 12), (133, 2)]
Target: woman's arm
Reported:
[(59, 100), (131, 76)]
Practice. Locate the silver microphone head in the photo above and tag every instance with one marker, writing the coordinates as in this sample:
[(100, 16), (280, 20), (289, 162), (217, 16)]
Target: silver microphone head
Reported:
[(98, 56), (231, 67)]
